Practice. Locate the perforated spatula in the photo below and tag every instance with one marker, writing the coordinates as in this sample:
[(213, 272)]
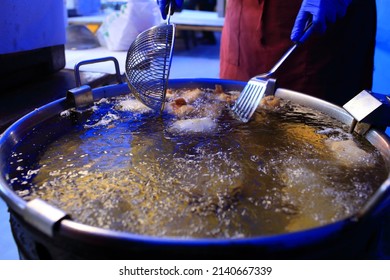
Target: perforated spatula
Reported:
[(257, 86)]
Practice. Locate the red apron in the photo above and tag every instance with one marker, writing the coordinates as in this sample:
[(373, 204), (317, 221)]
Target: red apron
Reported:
[(335, 66)]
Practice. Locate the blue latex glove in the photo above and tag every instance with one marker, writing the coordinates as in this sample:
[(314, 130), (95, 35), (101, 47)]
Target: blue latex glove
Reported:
[(321, 12), (164, 6)]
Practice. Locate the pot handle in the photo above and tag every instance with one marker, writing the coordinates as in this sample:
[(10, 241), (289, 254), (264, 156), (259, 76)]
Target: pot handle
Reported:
[(97, 60), (369, 107)]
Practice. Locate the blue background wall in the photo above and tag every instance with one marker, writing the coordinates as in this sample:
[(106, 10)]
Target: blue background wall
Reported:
[(382, 50)]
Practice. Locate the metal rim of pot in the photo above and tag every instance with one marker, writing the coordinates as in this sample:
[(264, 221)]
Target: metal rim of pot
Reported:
[(54, 222)]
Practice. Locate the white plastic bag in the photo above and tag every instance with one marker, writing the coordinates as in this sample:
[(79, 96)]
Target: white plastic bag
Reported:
[(120, 28)]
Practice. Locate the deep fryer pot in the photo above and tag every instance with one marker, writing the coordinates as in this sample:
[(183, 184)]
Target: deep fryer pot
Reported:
[(42, 231)]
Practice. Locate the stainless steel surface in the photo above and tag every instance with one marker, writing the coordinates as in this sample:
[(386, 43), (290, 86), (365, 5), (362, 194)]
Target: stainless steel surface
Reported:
[(78, 65), (67, 225), (197, 57), (367, 107), (53, 87), (362, 105), (43, 216), (21, 100), (379, 140), (148, 64), (256, 89), (249, 98), (81, 97), (25, 98), (318, 104)]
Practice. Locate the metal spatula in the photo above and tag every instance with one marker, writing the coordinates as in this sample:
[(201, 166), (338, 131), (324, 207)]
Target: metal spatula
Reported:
[(148, 63), (258, 86)]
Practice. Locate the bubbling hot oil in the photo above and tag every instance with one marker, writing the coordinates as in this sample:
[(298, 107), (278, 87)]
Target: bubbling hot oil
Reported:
[(279, 173)]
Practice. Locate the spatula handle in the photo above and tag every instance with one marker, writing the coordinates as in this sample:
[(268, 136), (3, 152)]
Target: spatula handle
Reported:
[(306, 33)]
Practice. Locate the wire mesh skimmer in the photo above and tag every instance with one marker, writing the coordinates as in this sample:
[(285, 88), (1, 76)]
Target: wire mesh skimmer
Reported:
[(148, 63)]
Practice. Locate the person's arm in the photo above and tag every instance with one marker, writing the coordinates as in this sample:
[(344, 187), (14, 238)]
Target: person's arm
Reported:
[(321, 12), (164, 6)]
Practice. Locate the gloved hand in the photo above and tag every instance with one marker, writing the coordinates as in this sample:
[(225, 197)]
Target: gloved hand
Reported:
[(321, 12), (164, 6)]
